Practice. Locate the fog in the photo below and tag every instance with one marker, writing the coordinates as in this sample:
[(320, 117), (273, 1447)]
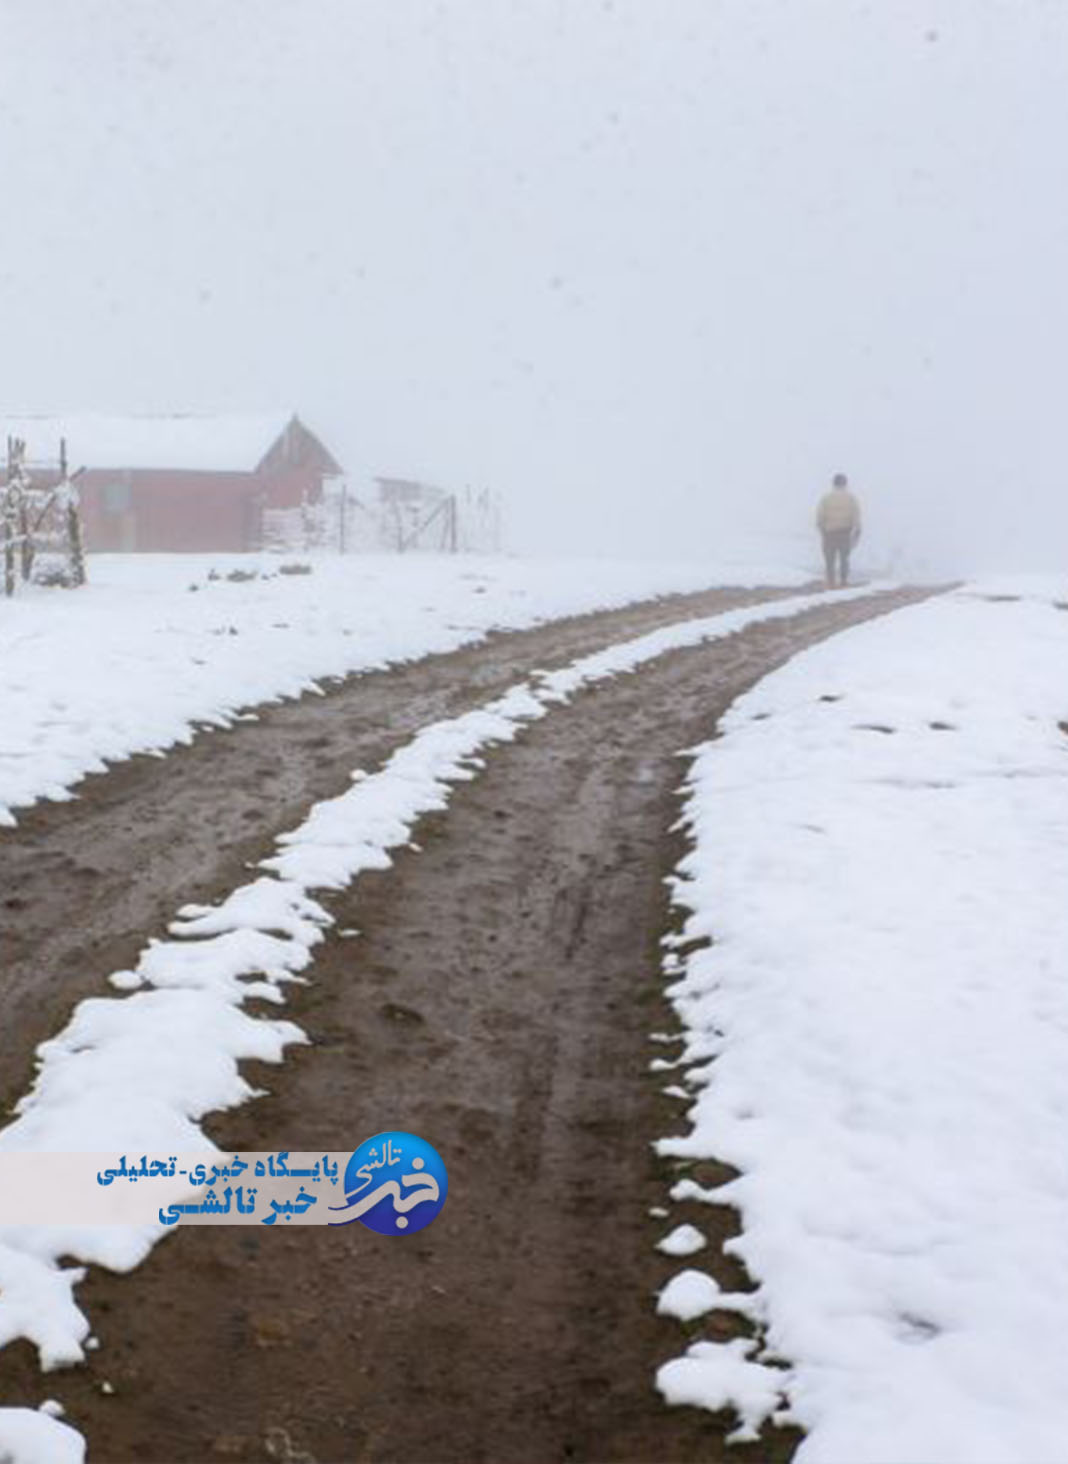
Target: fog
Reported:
[(653, 269)]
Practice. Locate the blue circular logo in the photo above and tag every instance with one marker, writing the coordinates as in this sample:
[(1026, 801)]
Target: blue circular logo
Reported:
[(395, 1183)]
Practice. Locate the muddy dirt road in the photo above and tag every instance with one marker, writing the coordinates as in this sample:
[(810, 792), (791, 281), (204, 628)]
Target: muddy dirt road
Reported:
[(83, 884), (499, 1001)]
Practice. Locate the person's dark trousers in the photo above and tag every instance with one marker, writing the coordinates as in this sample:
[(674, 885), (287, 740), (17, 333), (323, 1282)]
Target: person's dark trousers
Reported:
[(836, 546)]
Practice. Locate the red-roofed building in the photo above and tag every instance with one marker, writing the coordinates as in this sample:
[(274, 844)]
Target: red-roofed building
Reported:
[(180, 483)]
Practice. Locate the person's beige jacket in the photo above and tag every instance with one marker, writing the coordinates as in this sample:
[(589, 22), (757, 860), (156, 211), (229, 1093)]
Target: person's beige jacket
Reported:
[(838, 510)]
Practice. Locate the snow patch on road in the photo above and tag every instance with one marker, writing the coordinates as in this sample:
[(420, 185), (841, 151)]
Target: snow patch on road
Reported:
[(684, 1240), (719, 1375), (136, 1072), (877, 1034), (29, 1437), (692, 1293)]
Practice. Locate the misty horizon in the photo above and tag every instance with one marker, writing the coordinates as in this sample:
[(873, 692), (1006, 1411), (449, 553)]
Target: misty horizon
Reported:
[(653, 274)]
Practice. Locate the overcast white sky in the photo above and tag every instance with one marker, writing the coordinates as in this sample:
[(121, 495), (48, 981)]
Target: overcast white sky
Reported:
[(653, 268)]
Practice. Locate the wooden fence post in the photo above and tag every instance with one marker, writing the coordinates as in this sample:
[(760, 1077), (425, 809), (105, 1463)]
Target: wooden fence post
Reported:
[(74, 520), (8, 524)]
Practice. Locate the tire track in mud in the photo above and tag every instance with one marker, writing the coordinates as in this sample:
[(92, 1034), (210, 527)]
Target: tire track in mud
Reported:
[(499, 1001), (83, 883)]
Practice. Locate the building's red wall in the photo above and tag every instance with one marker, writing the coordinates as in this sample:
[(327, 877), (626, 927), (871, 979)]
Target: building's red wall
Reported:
[(147, 509)]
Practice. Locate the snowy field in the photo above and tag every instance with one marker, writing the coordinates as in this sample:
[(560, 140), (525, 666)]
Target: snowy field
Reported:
[(877, 1040), (134, 661), (879, 1036)]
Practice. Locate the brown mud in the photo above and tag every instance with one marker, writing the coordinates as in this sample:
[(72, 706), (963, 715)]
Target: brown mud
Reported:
[(498, 1000), (82, 884)]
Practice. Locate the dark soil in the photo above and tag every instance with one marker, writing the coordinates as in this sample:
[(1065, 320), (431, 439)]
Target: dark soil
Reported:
[(521, 948), (83, 884)]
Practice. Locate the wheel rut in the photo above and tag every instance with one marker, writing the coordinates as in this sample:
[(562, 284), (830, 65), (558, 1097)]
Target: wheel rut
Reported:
[(83, 883), (499, 1000)]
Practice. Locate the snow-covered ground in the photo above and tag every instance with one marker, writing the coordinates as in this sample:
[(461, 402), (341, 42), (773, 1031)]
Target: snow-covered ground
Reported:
[(136, 659), (879, 1036), (137, 1071)]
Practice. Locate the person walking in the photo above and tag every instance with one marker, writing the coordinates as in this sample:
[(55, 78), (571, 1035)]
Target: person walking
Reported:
[(838, 520)]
